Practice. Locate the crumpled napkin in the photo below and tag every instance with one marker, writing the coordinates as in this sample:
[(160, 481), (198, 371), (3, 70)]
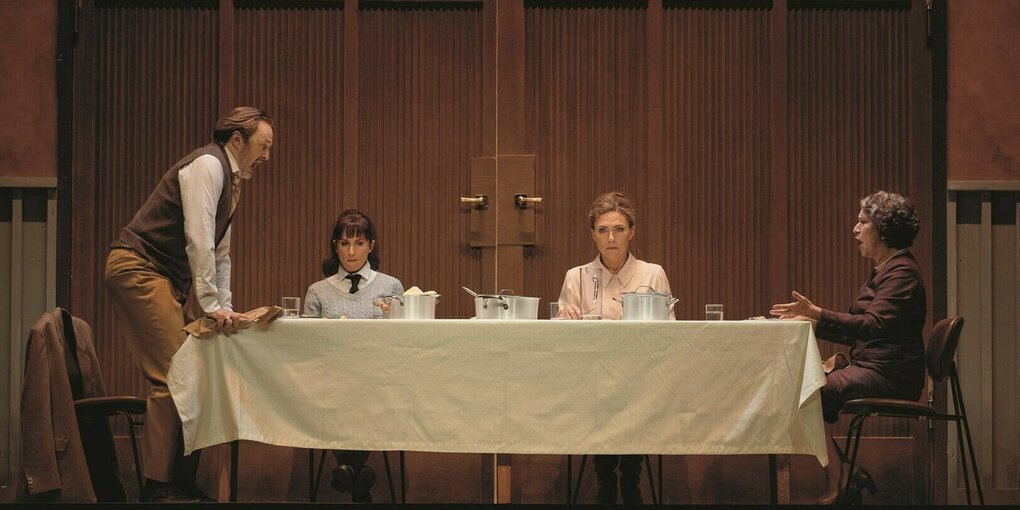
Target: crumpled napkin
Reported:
[(415, 291), (206, 326)]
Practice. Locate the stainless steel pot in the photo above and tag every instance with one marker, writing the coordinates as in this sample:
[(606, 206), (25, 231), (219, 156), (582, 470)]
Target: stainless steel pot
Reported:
[(414, 307), (646, 305), (506, 306)]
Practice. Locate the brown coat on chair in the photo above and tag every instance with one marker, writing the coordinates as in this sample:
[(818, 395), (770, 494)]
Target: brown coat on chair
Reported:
[(51, 448)]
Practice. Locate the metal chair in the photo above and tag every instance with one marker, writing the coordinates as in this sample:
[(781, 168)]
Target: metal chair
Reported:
[(128, 407), (939, 357)]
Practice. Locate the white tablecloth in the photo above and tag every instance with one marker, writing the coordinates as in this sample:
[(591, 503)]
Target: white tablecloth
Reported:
[(480, 386)]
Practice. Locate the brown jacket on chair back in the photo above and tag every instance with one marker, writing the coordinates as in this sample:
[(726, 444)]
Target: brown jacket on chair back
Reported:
[(51, 450)]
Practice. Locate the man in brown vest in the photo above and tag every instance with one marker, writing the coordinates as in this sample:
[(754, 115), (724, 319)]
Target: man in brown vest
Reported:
[(171, 265)]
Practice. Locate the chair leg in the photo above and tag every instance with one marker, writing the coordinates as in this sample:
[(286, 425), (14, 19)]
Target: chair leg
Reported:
[(651, 480), (134, 451), (963, 459), (570, 476), (973, 462), (311, 476), (962, 411), (661, 482), (234, 454), (580, 474), (403, 480), (854, 432), (389, 477), (314, 476)]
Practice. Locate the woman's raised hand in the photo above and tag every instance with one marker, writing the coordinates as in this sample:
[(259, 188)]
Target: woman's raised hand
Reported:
[(801, 308)]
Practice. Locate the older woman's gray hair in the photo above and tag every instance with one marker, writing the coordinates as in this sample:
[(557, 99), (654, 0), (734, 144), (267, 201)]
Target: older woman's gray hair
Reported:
[(893, 216)]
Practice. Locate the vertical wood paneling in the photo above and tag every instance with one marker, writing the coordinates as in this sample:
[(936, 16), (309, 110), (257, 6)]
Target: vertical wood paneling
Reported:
[(986, 265), (155, 69), (586, 117), (585, 73), (716, 159), (849, 121), (289, 62), (420, 122)]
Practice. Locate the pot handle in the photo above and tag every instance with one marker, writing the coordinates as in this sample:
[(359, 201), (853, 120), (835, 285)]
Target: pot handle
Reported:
[(508, 292), (671, 302), (485, 301), (649, 287), (618, 301), (391, 298)]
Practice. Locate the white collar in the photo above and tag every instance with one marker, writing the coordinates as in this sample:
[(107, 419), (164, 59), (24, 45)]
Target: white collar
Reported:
[(234, 168)]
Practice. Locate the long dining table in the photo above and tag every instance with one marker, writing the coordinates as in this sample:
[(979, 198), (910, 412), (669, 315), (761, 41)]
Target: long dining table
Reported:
[(515, 387)]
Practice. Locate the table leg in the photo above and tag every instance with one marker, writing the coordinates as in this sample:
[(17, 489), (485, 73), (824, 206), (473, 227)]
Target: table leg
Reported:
[(779, 479), (226, 475), (502, 478)]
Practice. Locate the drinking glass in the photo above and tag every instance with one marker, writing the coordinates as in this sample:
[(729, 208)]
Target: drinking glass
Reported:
[(713, 312), (291, 307), (554, 311)]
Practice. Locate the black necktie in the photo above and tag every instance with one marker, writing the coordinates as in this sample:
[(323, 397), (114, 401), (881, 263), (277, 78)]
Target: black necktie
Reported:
[(355, 279)]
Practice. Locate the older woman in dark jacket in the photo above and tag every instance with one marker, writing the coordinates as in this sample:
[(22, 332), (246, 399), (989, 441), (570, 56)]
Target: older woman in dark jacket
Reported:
[(883, 326)]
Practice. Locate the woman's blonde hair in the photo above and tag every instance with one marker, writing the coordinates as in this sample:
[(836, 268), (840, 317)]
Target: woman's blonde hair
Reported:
[(609, 202)]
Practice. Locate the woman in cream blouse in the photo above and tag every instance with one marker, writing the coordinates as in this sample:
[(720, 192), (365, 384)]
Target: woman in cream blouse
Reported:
[(590, 290)]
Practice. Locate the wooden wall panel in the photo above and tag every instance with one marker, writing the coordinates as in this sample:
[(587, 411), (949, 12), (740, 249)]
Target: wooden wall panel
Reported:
[(716, 159), (28, 40), (983, 121), (849, 119), (154, 69), (585, 73), (420, 122), (290, 63)]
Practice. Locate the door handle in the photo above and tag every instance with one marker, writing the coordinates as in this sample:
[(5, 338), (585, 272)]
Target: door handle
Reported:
[(521, 200), (480, 202)]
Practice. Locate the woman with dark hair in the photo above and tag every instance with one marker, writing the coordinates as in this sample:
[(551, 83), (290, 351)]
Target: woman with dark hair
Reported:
[(353, 287), (883, 326), (353, 283)]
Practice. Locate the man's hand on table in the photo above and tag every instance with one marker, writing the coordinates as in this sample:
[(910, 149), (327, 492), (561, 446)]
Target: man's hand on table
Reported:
[(227, 320)]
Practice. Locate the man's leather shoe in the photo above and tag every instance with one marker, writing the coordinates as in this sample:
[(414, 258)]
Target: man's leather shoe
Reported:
[(343, 478), (361, 492), (193, 491)]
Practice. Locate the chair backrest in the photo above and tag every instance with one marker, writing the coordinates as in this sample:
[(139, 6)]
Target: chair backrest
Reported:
[(942, 342)]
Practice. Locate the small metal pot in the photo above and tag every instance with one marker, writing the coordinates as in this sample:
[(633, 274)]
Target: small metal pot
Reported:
[(647, 305), (415, 307), (506, 307)]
